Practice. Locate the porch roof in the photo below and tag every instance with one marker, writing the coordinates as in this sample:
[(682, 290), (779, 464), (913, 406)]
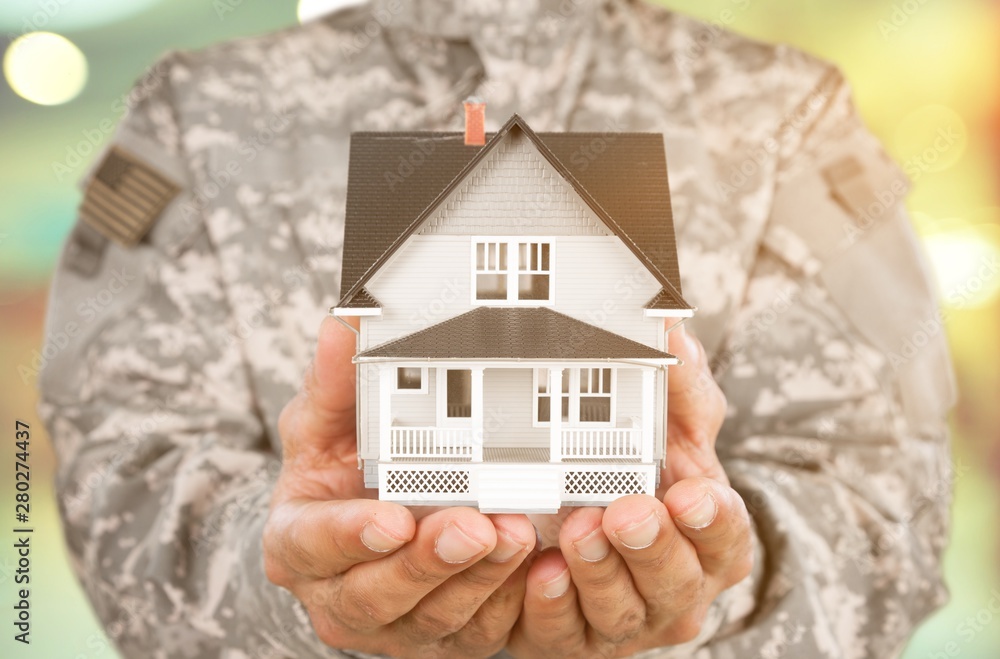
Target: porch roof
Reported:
[(505, 333)]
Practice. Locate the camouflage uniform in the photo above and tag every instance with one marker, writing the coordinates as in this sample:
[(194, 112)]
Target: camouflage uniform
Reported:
[(793, 240)]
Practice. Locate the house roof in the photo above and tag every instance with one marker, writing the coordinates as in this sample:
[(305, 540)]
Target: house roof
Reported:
[(397, 179), (362, 300), (530, 333)]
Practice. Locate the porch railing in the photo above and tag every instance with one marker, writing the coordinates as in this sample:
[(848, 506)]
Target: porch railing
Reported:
[(430, 442), (601, 443)]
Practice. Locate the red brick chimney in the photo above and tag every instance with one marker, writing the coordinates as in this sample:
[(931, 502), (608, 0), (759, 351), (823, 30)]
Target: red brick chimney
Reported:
[(475, 121)]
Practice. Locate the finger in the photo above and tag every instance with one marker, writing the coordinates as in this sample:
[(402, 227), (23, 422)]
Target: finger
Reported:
[(715, 519), (663, 564), (695, 403), (321, 539), (551, 619), (372, 595), (323, 410), (488, 631), (450, 606), (608, 597)]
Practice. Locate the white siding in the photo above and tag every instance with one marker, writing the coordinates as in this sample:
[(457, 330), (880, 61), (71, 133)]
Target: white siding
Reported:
[(597, 280), (629, 396), (508, 409)]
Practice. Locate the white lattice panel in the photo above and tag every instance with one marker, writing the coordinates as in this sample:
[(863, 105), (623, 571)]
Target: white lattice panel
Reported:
[(605, 482), (426, 481)]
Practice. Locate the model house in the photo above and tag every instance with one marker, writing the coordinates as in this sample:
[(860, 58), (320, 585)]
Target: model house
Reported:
[(512, 291)]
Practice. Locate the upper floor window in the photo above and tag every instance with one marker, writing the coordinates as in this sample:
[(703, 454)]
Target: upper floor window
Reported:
[(511, 271)]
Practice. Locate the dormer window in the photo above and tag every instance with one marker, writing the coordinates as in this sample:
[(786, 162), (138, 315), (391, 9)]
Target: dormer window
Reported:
[(512, 271)]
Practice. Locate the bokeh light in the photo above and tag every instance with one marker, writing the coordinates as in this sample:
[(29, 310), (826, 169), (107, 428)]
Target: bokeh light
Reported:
[(45, 68), (32, 15), (966, 261), (312, 9)]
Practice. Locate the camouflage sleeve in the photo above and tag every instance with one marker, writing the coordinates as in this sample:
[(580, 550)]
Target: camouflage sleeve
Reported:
[(838, 378), (165, 471)]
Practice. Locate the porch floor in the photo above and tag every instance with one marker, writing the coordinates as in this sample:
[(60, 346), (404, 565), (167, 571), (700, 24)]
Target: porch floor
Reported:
[(521, 454)]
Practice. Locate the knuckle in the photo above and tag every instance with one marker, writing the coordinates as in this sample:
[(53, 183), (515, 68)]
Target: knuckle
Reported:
[(686, 627), (488, 639), (654, 560), (693, 583), (332, 634), (413, 573), (628, 627), (276, 570), (429, 626), (480, 577), (362, 612), (489, 629), (274, 550), (603, 580)]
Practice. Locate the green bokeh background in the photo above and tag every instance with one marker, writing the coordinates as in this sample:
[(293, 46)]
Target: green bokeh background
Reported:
[(916, 65)]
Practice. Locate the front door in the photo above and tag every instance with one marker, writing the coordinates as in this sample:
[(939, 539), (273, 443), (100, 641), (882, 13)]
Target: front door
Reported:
[(455, 397)]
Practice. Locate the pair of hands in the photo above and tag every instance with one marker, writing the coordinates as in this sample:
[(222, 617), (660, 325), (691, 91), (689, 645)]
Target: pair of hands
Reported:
[(637, 575)]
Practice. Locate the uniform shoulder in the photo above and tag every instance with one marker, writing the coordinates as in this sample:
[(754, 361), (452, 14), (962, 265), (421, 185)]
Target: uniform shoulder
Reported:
[(724, 67), (267, 55)]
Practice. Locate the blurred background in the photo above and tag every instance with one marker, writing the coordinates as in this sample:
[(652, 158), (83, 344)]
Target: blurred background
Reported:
[(918, 67)]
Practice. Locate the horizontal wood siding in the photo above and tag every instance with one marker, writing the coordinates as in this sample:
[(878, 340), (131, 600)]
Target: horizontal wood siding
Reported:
[(629, 400), (508, 419), (597, 280)]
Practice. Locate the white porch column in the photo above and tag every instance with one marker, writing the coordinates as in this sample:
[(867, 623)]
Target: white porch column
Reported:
[(648, 413), (555, 414), (385, 374), (478, 430)]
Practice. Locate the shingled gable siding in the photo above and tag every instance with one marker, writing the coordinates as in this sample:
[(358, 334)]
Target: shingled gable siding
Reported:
[(516, 192)]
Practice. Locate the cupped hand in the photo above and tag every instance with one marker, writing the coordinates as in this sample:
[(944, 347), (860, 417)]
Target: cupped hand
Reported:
[(643, 573), (371, 576)]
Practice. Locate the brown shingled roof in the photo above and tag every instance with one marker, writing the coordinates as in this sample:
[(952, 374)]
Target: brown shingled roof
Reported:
[(492, 333), (362, 300), (387, 199)]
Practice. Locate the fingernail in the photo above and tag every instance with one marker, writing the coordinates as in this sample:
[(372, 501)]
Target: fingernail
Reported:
[(378, 540), (641, 534), (454, 546), (594, 547), (700, 514), (505, 550), (556, 587)]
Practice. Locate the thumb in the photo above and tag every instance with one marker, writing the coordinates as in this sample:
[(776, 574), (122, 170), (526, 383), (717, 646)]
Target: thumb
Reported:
[(694, 401), (323, 411), (696, 410)]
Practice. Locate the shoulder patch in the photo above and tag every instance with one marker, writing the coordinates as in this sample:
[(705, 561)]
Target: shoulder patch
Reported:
[(125, 197), (849, 186)]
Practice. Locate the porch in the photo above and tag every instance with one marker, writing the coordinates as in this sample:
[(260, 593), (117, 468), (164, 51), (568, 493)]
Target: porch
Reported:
[(411, 444), (548, 414)]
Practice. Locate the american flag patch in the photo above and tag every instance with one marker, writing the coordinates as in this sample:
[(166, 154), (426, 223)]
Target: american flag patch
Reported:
[(125, 197)]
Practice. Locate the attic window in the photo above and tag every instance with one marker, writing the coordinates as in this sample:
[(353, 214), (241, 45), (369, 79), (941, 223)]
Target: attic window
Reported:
[(512, 271)]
